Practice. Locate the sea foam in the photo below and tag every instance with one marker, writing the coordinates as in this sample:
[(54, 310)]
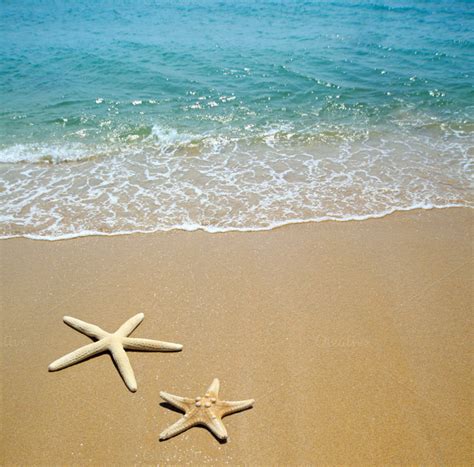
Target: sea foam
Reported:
[(218, 184)]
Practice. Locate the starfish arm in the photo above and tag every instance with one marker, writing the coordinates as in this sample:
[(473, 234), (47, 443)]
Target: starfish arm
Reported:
[(132, 343), (228, 407), (90, 330), (217, 427), (123, 364), (78, 355), (213, 389), (181, 403), (181, 425), (129, 326)]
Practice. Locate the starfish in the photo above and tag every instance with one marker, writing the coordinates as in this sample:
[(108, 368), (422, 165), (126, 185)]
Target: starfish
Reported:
[(115, 343), (206, 411)]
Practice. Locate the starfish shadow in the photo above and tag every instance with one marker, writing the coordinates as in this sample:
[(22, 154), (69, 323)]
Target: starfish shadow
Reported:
[(168, 406)]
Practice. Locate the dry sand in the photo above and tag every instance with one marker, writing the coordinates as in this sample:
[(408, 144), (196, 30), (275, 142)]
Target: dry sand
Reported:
[(354, 338)]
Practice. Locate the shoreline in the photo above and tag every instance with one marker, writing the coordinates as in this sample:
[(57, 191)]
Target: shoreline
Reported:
[(216, 230), (354, 338)]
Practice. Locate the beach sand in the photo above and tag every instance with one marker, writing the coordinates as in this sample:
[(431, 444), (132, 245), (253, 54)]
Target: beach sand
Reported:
[(354, 338)]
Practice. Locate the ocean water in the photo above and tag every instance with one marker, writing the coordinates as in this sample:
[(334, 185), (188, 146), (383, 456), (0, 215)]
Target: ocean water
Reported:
[(231, 115)]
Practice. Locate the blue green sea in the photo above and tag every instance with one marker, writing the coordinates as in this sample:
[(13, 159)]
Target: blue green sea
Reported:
[(143, 116)]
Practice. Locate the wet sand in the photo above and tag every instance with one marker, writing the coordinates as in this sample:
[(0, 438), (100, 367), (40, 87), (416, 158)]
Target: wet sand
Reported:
[(353, 337)]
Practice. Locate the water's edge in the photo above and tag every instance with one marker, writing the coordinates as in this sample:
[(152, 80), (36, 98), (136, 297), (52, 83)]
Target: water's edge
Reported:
[(214, 230)]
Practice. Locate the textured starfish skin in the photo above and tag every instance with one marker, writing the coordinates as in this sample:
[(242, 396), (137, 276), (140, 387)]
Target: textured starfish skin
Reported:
[(115, 343), (207, 411)]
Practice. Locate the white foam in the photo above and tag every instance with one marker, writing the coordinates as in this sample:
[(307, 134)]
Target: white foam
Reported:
[(172, 180), (216, 230), (168, 137), (47, 153)]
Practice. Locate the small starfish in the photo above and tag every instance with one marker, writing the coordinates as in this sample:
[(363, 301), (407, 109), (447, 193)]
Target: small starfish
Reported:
[(206, 411), (115, 343)]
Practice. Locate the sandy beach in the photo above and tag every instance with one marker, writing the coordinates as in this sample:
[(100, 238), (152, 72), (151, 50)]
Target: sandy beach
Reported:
[(354, 338)]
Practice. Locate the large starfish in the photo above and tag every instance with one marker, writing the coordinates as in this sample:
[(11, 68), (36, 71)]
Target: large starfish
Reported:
[(115, 343), (206, 411)]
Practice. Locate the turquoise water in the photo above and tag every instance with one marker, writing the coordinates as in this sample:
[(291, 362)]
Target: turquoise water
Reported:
[(142, 116)]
